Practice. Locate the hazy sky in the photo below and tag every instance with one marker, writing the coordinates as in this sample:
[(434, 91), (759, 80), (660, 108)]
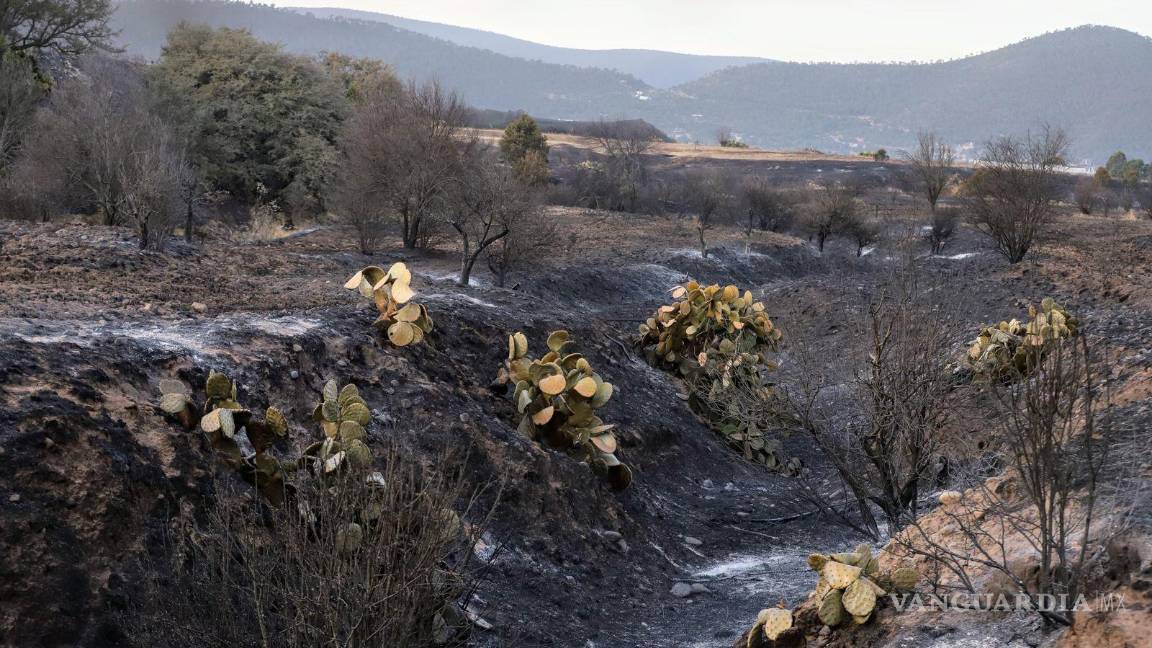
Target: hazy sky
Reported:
[(799, 30)]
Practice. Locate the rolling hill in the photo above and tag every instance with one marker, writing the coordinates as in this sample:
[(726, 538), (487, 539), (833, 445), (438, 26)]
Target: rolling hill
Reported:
[(656, 68), (485, 79), (1094, 81)]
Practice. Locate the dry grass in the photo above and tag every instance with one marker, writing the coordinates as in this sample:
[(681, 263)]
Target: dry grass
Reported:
[(704, 151)]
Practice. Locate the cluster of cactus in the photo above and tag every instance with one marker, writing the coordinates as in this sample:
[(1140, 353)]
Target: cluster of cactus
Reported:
[(709, 329), (757, 446), (850, 583), (718, 339), (402, 320), (222, 418), (1015, 348), (557, 396), (342, 416)]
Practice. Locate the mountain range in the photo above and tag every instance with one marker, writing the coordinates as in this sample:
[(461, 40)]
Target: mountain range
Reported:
[(656, 68), (1094, 81)]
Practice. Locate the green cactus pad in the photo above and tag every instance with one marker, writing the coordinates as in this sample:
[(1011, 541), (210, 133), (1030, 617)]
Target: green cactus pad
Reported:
[(831, 611), (859, 598)]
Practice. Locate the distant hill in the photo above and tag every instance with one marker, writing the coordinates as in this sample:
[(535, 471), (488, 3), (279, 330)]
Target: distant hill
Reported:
[(1094, 81), (486, 79), (656, 68)]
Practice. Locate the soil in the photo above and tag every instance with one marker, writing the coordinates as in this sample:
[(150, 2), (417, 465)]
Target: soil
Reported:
[(91, 475)]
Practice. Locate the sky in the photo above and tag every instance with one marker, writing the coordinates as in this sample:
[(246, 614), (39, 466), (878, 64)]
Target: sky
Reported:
[(794, 30)]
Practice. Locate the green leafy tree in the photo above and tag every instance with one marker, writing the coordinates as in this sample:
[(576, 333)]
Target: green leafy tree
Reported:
[(522, 137), (357, 75), (255, 114), (1102, 177), (1115, 165), (1133, 172), (68, 27)]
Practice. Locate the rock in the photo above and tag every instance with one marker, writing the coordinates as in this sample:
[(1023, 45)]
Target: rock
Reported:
[(611, 536), (707, 484), (700, 588), (296, 348), (14, 497), (681, 590), (695, 542), (199, 307), (295, 374), (622, 545)]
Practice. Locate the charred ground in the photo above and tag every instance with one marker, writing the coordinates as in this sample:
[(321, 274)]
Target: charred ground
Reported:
[(92, 477)]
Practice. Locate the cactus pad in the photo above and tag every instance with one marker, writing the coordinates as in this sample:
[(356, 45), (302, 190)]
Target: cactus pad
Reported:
[(775, 622), (831, 611), (840, 575), (859, 598), (905, 578)]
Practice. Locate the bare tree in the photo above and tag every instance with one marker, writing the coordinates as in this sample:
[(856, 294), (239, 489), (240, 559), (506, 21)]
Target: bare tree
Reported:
[(98, 138), (191, 189), (931, 163), (1012, 196), (834, 207), (626, 145), (19, 93), (150, 175), (531, 238), (401, 157), (1085, 195), (1056, 445), (767, 208), (31, 190), (488, 201), (943, 226), (707, 197), (884, 438), (863, 231)]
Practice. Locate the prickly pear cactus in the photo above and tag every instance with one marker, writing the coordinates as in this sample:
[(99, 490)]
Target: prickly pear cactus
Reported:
[(221, 418), (718, 340), (1014, 348), (849, 585), (557, 397), (402, 320), (342, 416), (850, 588), (773, 622)]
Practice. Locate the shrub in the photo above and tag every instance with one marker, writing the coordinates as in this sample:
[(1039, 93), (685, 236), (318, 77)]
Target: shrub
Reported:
[(404, 321), (767, 208), (522, 137), (557, 396), (1013, 349), (377, 561), (718, 341), (942, 228), (357, 558), (1012, 196)]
